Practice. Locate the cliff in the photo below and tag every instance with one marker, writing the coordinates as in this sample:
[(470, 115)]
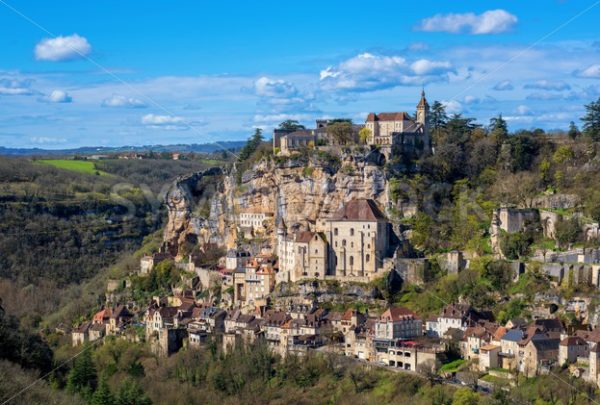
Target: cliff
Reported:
[(298, 191)]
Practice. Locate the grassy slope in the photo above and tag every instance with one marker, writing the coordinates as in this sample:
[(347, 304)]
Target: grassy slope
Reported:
[(79, 166)]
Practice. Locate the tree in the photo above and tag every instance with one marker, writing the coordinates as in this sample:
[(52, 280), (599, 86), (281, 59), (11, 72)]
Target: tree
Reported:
[(102, 396), (498, 129), (251, 145), (465, 396), (567, 231), (591, 120), (364, 134), (573, 131), (82, 377), (130, 393), (340, 131), (438, 117), (291, 125)]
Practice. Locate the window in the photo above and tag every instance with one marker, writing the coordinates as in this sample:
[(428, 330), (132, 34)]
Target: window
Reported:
[(335, 232), (351, 261), (351, 231), (352, 244), (368, 258), (344, 242)]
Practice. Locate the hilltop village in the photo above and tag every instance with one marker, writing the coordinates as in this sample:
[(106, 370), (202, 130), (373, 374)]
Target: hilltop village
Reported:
[(314, 245)]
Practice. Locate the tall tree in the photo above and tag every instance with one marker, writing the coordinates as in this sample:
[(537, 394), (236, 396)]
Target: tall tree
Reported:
[(130, 393), (437, 114), (573, 131), (291, 125), (82, 377), (252, 144), (103, 396), (498, 128), (340, 131), (591, 120)]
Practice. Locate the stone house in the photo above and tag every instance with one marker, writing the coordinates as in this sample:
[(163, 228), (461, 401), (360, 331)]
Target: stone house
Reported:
[(148, 262), (540, 352), (456, 316), (489, 356), (302, 255), (571, 348), (119, 318), (254, 222), (254, 284), (398, 323)]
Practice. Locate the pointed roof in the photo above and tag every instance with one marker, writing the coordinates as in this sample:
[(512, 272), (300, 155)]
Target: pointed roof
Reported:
[(359, 210), (423, 101)]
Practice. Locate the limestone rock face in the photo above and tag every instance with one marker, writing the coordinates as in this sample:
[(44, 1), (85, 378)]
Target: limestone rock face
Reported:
[(180, 200), (299, 194)]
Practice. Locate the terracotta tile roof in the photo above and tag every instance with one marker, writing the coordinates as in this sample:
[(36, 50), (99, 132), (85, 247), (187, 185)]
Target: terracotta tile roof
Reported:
[(489, 347), (589, 336), (395, 314), (304, 236), (359, 210), (573, 341), (501, 331)]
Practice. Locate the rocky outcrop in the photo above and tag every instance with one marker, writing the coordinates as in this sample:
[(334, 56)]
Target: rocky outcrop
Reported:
[(181, 200)]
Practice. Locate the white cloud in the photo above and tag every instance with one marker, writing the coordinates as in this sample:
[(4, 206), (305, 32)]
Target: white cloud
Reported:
[(15, 87), (591, 72), (452, 106), (503, 86), (556, 85), (523, 110), (266, 87), (122, 101), (46, 140), (168, 122), (489, 22), (366, 72), (59, 96), (62, 48), (426, 67)]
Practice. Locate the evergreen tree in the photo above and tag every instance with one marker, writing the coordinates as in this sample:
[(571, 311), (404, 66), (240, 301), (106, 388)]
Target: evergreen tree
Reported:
[(130, 393), (573, 131), (437, 115), (252, 144), (291, 125), (102, 396), (498, 127), (591, 120), (82, 377)]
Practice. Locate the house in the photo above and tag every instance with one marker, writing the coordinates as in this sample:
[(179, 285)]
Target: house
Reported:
[(539, 353), (236, 259), (489, 356), (395, 132), (254, 284), (254, 222), (456, 316), (119, 318), (398, 323), (148, 262), (80, 335), (571, 348), (358, 237), (302, 255), (160, 318), (475, 337)]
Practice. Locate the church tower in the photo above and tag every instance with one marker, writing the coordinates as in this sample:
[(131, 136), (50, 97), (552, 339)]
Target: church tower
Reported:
[(422, 109)]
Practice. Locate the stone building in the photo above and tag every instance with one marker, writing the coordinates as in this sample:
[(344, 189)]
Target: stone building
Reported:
[(398, 323), (302, 255), (358, 237), (398, 131)]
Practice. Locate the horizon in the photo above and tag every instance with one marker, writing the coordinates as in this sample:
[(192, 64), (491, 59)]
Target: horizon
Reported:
[(67, 82)]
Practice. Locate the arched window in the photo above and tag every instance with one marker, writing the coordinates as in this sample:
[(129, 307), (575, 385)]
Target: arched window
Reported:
[(335, 232), (351, 261), (351, 231), (367, 258), (344, 242)]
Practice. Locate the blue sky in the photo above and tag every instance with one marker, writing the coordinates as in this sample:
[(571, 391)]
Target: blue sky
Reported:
[(76, 73)]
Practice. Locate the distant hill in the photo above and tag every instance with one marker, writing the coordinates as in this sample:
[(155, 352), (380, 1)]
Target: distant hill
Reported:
[(88, 150)]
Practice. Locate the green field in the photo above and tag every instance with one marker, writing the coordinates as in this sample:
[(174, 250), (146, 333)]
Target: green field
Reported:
[(80, 166)]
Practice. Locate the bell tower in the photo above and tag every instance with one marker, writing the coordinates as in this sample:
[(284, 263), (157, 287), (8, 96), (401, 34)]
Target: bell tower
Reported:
[(422, 109)]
